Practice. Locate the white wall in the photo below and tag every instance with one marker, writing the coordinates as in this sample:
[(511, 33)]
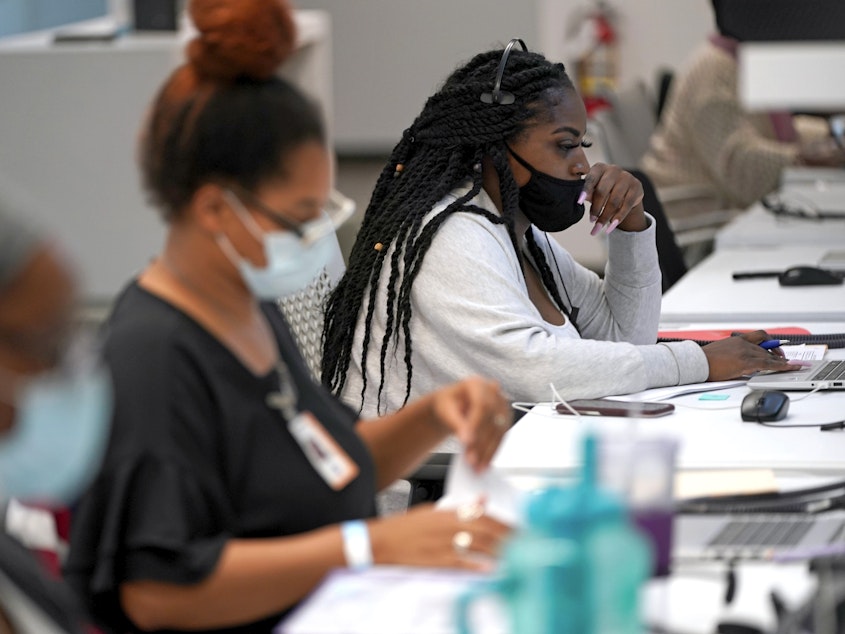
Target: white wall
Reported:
[(69, 118), (389, 55), (660, 33), (70, 114), (654, 34)]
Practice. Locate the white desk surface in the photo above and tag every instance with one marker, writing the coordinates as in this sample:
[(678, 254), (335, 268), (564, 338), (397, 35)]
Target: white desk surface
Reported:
[(808, 187), (758, 227), (690, 601), (708, 293), (422, 600), (710, 437)]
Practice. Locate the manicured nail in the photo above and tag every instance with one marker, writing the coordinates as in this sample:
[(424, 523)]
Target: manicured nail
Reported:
[(799, 362), (612, 225), (593, 218), (596, 228), (582, 197)]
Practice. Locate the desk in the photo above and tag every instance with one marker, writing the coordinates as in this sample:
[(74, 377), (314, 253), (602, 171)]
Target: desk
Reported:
[(540, 448), (710, 437), (802, 187), (707, 292), (759, 227)]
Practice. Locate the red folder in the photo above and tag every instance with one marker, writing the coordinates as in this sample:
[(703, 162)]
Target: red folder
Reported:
[(714, 334)]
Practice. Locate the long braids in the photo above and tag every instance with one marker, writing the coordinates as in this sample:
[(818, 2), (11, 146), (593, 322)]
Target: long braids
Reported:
[(545, 271), (442, 149)]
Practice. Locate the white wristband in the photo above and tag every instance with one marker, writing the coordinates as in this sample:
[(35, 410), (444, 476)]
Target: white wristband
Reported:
[(356, 544)]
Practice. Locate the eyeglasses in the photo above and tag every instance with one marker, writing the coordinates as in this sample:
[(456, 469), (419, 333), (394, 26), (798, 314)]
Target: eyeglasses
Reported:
[(337, 210)]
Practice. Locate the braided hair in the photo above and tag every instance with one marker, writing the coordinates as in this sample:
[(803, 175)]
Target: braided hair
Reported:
[(442, 149)]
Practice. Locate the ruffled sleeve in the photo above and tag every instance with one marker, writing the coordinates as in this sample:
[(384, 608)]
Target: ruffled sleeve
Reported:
[(151, 519)]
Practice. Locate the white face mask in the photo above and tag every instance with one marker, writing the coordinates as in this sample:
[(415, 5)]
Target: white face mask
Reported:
[(291, 265)]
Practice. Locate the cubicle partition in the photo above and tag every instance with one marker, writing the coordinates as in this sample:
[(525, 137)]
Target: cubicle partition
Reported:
[(71, 114)]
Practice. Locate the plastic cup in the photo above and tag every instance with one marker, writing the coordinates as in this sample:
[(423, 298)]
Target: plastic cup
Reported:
[(642, 471)]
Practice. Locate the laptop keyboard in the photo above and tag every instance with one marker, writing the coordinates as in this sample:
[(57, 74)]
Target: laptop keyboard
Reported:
[(762, 531), (830, 371)]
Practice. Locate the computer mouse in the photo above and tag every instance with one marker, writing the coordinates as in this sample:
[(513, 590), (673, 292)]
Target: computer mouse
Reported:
[(808, 276), (734, 627), (764, 406)]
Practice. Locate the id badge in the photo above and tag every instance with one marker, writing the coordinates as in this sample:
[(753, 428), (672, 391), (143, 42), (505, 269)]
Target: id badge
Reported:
[(327, 457)]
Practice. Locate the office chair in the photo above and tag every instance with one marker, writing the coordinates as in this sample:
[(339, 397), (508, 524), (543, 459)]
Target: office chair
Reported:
[(305, 310), (623, 133), (664, 82), (428, 481), (669, 255)]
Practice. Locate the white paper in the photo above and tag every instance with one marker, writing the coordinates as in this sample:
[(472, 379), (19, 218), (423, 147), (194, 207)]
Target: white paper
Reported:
[(393, 600), (502, 500), (805, 352)]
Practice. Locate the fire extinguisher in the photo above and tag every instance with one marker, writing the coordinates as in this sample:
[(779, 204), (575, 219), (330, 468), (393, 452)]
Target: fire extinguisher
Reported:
[(597, 67)]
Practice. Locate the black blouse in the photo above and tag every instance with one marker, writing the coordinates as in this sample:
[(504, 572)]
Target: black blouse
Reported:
[(197, 457)]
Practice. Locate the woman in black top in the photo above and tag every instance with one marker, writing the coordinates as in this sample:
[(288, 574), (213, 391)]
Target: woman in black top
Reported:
[(233, 482)]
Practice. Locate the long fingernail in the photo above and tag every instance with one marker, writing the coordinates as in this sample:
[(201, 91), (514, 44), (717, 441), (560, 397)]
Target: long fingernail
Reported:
[(799, 362), (596, 228), (582, 197), (612, 225)]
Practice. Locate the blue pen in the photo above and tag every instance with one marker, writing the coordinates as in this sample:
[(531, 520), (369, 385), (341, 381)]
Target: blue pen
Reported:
[(773, 343)]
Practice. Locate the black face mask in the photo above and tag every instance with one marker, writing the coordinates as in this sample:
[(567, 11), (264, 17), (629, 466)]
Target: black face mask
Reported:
[(551, 204)]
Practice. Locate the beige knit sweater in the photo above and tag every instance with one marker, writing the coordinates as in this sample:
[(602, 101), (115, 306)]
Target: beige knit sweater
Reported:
[(707, 138)]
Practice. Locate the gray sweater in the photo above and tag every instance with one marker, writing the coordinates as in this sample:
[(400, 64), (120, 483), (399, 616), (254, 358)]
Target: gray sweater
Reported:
[(472, 315)]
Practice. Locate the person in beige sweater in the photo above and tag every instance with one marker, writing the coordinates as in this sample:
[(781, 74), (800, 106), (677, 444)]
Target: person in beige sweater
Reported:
[(706, 137)]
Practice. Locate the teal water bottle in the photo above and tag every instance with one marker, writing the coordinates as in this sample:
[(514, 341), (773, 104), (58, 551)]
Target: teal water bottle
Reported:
[(576, 568)]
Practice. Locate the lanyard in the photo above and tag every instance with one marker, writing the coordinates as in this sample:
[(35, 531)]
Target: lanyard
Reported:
[(285, 398), (326, 456)]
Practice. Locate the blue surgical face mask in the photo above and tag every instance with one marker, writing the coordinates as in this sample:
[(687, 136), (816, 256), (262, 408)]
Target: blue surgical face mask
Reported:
[(60, 431), (292, 264)]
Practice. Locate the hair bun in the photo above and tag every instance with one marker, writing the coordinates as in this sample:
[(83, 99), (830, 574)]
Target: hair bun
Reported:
[(241, 37)]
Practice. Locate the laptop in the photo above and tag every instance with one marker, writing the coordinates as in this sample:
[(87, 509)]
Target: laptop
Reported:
[(827, 374), (764, 536)]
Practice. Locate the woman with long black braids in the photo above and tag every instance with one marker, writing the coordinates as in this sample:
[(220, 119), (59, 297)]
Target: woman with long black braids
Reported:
[(453, 274)]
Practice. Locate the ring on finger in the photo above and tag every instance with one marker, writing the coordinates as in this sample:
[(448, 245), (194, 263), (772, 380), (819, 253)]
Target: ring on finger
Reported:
[(469, 512), (461, 542)]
